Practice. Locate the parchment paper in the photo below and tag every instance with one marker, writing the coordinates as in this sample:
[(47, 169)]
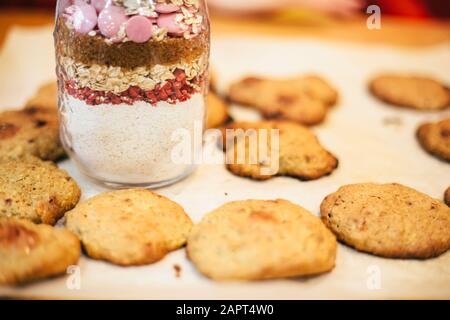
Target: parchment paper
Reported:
[(373, 141)]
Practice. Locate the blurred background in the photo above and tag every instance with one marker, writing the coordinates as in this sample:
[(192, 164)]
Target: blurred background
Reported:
[(404, 22), (343, 8)]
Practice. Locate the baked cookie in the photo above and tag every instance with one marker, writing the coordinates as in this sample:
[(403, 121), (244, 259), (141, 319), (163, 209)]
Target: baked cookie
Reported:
[(129, 227), (435, 138), (317, 88), (35, 190), (29, 252), (414, 92), (447, 196), (217, 111), (303, 99), (300, 153), (388, 220), (255, 239), (31, 131), (46, 97)]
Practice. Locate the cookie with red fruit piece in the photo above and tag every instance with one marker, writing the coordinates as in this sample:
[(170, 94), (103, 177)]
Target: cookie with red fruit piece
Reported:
[(305, 100)]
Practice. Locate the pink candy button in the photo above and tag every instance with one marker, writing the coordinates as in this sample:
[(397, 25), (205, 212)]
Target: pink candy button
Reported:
[(169, 22), (166, 8), (139, 29), (110, 20), (83, 17), (79, 2), (98, 4)]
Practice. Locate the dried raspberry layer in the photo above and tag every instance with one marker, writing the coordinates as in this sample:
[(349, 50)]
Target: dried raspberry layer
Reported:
[(172, 91)]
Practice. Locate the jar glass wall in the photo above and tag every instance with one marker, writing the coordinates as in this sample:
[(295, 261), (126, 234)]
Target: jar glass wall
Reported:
[(132, 75)]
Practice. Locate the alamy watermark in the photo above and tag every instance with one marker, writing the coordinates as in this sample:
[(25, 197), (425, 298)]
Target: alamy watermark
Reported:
[(73, 281), (374, 20), (253, 146), (374, 277)]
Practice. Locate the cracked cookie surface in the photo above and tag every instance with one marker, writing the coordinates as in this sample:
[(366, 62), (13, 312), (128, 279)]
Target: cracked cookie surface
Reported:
[(129, 227), (388, 220), (300, 153), (256, 239), (305, 100), (35, 190)]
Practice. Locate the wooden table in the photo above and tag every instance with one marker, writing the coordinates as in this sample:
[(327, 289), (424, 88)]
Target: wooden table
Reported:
[(394, 30)]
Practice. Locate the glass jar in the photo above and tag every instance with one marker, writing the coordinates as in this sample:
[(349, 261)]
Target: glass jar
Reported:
[(132, 75)]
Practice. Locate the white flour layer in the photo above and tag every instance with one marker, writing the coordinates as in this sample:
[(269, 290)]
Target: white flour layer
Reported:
[(130, 144)]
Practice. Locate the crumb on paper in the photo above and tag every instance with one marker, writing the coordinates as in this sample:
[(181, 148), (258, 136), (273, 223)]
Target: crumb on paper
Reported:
[(392, 121), (177, 269)]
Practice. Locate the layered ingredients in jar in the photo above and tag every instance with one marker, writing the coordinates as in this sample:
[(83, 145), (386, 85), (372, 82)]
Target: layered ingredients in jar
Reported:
[(131, 74)]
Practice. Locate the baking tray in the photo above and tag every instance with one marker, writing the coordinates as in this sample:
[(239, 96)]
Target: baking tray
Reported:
[(374, 143)]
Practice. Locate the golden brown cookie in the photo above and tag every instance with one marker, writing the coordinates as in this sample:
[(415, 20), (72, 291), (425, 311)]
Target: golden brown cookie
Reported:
[(31, 131), (300, 153), (447, 196), (317, 88), (46, 97), (303, 99), (35, 190), (217, 111), (30, 252), (388, 220), (435, 138), (411, 91), (255, 239), (129, 227)]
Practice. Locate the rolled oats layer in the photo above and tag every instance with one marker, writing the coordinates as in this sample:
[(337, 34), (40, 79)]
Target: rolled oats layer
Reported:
[(117, 79), (91, 49), (172, 91)]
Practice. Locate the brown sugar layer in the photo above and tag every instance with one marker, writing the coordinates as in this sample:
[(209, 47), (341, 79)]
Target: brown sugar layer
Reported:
[(95, 50)]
